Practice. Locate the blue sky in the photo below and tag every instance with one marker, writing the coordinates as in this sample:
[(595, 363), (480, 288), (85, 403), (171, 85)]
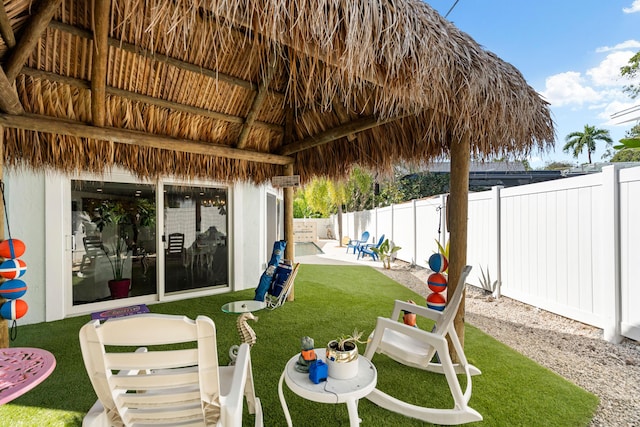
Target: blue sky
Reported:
[(569, 51)]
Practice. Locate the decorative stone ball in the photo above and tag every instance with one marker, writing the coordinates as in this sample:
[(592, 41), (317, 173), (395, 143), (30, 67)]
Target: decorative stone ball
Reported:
[(436, 301), (12, 289), (12, 248), (438, 263), (13, 309), (437, 282), (13, 268)]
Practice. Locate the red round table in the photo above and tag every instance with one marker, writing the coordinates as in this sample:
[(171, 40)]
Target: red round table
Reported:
[(21, 369)]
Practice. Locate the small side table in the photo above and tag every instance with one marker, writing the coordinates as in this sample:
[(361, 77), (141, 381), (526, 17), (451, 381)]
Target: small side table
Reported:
[(21, 369), (330, 391), (247, 306)]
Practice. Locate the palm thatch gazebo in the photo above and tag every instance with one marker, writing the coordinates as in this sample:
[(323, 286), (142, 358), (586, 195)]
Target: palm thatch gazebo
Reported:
[(245, 90)]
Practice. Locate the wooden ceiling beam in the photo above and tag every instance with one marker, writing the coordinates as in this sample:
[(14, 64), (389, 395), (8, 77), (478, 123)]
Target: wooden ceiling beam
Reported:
[(128, 47), (136, 97), (30, 37), (338, 132), (5, 28), (9, 100), (258, 100), (38, 123), (343, 116), (99, 61)]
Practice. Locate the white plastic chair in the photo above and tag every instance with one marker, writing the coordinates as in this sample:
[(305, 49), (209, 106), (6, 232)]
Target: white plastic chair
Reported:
[(177, 384), (417, 348)]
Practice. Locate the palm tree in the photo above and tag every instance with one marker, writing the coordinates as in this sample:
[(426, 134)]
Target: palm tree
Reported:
[(577, 141)]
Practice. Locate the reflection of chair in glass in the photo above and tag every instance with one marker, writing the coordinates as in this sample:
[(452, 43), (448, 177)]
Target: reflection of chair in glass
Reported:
[(93, 248), (170, 385), (218, 270), (429, 351), (175, 247)]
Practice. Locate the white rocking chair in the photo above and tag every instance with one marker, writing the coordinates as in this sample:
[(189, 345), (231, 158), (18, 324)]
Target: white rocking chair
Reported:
[(417, 348), (167, 386)]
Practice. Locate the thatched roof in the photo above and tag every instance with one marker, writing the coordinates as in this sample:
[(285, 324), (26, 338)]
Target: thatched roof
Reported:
[(233, 90)]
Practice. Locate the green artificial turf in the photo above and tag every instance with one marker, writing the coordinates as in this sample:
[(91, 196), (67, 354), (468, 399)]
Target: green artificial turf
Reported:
[(329, 301)]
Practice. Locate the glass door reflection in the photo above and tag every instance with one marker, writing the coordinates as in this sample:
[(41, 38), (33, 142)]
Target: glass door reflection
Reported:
[(195, 237), (114, 235)]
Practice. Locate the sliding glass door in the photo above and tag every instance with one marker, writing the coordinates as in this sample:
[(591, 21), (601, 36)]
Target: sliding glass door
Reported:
[(116, 250), (113, 240), (195, 237)]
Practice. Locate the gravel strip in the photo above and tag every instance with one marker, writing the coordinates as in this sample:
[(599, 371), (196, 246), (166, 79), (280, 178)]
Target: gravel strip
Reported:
[(571, 349)]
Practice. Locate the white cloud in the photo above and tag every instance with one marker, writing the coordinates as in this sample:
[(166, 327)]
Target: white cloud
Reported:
[(568, 89), (635, 7), (596, 88), (593, 95), (607, 73), (627, 44)]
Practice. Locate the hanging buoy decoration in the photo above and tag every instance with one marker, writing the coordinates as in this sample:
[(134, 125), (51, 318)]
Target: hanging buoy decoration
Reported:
[(13, 268), (438, 263), (437, 282), (436, 301), (13, 289), (12, 248), (13, 309)]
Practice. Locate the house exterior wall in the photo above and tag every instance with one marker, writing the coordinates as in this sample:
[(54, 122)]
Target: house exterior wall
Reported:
[(39, 217), (25, 200)]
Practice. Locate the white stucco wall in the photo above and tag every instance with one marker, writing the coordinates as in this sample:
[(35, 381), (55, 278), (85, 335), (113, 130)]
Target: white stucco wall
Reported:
[(25, 193), (39, 216)]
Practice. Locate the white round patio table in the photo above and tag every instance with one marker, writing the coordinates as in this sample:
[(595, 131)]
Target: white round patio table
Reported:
[(330, 391)]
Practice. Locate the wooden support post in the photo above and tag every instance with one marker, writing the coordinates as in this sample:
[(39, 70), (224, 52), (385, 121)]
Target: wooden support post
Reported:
[(99, 62), (4, 324), (457, 217), (289, 252)]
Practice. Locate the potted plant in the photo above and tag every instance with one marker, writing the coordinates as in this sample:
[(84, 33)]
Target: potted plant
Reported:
[(116, 249), (342, 356), (385, 251)]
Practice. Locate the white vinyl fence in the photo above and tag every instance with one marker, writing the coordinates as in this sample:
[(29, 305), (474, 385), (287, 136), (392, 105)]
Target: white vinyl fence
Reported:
[(566, 246)]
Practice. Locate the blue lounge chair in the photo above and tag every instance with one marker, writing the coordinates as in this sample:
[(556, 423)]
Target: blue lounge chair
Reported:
[(366, 249), (353, 243)]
